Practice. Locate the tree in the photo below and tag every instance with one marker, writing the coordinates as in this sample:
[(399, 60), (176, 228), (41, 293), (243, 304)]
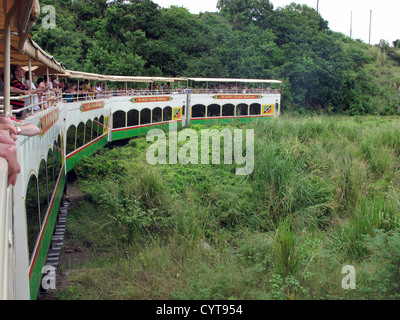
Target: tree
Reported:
[(243, 12), (297, 23)]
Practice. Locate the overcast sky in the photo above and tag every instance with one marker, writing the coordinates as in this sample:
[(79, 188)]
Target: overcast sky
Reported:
[(385, 15)]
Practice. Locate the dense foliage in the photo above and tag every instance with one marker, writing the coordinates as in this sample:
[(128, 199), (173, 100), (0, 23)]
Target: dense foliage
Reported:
[(322, 70)]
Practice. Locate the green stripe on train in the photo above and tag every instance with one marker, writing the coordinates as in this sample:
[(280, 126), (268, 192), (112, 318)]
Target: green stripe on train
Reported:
[(87, 151), (220, 121), (127, 133), (41, 257)]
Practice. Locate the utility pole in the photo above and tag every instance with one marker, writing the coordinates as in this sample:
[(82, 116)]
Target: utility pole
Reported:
[(351, 24), (317, 5), (370, 22)]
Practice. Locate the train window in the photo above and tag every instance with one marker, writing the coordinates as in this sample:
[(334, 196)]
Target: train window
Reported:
[(242, 110), (51, 174), (32, 213), (95, 128), (60, 145), (133, 118), (80, 135), (228, 110), (57, 157), (119, 119), (157, 115), (43, 189), (145, 116), (101, 125), (214, 110), (89, 131), (167, 114), (198, 111), (71, 139), (255, 109)]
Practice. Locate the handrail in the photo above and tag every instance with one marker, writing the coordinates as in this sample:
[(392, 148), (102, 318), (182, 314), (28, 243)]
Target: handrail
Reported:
[(107, 94), (5, 205), (85, 96), (31, 106)]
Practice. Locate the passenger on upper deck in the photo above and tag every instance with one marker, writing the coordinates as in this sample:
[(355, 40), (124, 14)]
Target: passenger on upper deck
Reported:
[(88, 89), (62, 85), (12, 89), (18, 73), (39, 91), (70, 92)]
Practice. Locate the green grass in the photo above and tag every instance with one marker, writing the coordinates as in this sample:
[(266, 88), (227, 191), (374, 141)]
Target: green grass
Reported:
[(324, 194)]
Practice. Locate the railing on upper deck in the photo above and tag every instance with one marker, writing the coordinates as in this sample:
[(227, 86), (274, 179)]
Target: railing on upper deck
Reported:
[(75, 96), (45, 101)]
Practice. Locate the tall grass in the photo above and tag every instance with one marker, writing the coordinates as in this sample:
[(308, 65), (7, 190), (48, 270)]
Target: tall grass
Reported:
[(285, 249), (322, 190)]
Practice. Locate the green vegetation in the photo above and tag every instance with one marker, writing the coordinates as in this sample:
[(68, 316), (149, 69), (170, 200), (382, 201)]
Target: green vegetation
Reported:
[(322, 69), (325, 190), (324, 194)]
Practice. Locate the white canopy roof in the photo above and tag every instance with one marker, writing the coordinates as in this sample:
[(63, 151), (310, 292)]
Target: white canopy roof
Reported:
[(99, 77), (234, 80)]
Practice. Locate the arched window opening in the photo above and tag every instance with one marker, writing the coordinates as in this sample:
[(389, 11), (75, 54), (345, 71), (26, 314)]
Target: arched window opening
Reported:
[(228, 110), (88, 131), (51, 172), (214, 110), (57, 157), (133, 118), (255, 109), (101, 125), (198, 111), (32, 213), (71, 139), (157, 115), (167, 114), (80, 135), (44, 196), (242, 110), (145, 116), (95, 128), (119, 119)]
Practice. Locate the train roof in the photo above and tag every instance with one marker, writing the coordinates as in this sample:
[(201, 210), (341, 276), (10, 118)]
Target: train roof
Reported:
[(234, 80)]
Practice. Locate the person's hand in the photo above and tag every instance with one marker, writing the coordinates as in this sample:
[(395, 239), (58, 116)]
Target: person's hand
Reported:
[(8, 150), (8, 133)]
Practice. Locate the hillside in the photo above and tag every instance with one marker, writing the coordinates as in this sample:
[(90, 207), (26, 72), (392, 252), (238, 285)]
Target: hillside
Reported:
[(323, 70)]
